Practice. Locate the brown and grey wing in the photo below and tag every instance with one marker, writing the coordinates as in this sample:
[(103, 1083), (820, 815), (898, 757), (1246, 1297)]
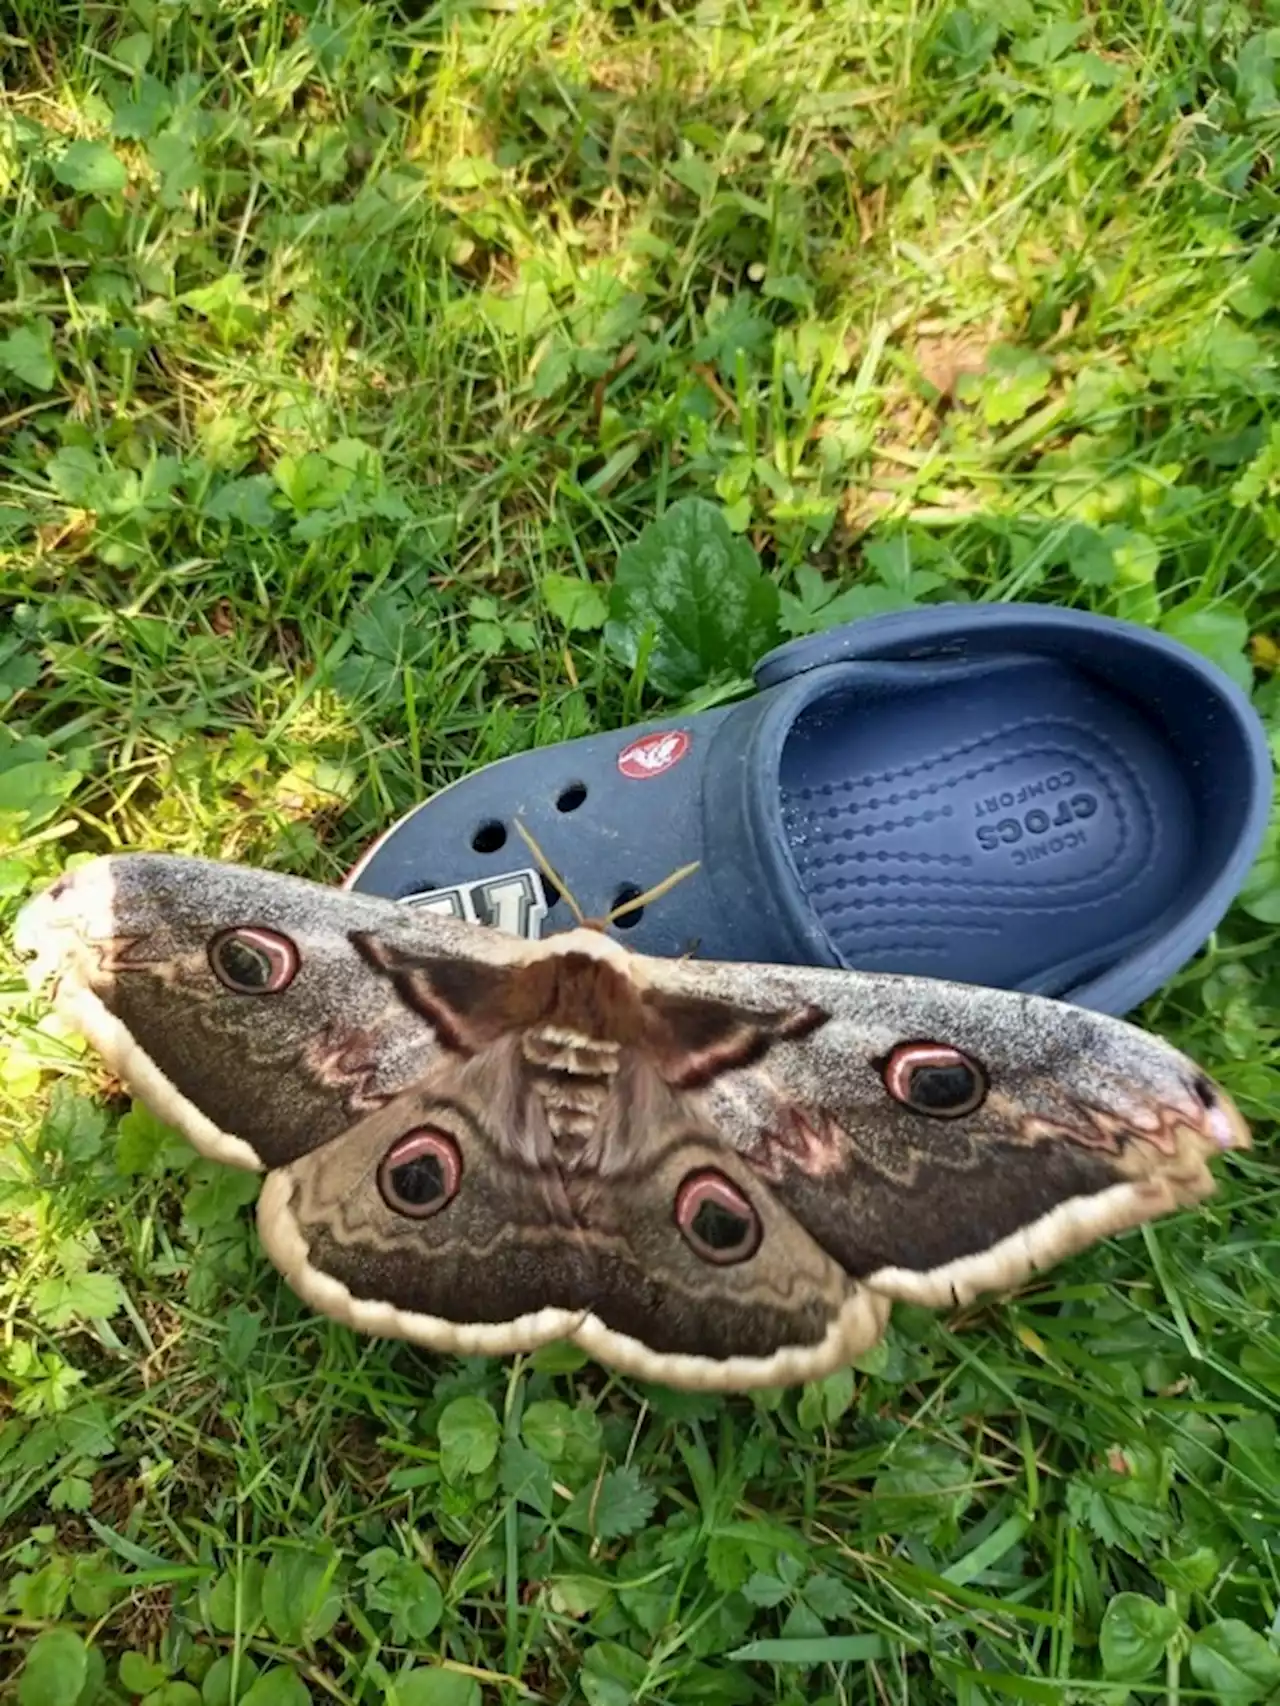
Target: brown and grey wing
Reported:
[(243, 1006), (423, 1222), (433, 1220), (937, 1140), (704, 1279)]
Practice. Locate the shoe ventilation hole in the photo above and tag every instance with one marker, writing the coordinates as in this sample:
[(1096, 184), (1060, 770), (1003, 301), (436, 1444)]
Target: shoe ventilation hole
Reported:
[(570, 798), (490, 837), (629, 920)]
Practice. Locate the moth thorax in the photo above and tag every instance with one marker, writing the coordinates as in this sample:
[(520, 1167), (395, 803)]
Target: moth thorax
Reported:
[(574, 993)]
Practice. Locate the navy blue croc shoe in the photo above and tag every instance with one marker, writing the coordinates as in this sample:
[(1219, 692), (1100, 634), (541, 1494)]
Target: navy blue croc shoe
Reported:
[(1004, 794)]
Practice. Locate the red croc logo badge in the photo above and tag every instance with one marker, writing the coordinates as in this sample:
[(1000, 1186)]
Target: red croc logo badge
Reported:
[(653, 755)]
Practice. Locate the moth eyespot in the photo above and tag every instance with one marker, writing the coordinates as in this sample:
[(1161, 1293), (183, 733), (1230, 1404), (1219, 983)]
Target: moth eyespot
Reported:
[(1205, 1092), (253, 961), (420, 1173), (935, 1080), (717, 1221)]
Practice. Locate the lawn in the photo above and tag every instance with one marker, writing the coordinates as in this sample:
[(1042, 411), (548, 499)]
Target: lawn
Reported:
[(345, 348)]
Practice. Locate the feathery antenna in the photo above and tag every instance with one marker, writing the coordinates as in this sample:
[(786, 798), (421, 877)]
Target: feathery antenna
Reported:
[(549, 870), (633, 905), (655, 893)]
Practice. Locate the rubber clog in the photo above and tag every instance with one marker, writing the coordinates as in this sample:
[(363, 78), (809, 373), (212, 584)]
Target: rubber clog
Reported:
[(1005, 794)]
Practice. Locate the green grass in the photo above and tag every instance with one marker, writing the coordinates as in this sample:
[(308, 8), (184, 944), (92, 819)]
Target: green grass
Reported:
[(343, 347)]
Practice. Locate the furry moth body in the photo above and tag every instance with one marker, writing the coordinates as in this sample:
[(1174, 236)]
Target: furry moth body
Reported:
[(716, 1176)]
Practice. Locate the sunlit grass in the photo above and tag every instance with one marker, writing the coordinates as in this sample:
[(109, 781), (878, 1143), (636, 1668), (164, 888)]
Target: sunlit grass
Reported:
[(346, 316)]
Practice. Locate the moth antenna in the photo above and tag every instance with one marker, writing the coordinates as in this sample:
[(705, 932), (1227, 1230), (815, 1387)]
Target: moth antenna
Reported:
[(655, 893), (549, 870)]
